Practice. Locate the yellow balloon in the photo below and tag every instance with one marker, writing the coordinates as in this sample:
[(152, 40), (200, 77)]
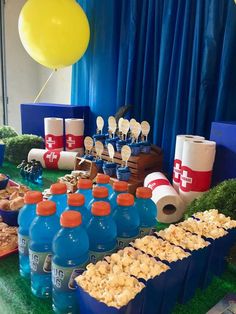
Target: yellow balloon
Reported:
[(55, 33)]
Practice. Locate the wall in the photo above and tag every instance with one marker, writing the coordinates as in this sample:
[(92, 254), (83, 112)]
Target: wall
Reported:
[(25, 77)]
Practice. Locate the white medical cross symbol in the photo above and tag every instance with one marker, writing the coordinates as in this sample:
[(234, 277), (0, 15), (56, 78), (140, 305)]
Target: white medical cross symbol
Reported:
[(50, 142), (70, 141), (185, 179)]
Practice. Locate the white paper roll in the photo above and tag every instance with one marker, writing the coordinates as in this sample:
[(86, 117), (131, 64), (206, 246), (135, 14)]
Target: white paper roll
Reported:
[(53, 159), (53, 130), (196, 170), (178, 156), (170, 207), (74, 130)]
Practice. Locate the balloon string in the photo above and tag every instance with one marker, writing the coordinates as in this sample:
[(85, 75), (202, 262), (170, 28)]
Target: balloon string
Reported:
[(44, 86)]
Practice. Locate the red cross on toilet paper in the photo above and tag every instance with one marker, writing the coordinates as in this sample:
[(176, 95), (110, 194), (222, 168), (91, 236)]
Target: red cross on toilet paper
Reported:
[(177, 170), (196, 181), (53, 142), (51, 159), (74, 141)]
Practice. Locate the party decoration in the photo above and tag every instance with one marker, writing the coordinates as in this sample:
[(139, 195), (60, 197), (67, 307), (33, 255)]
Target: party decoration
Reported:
[(99, 148), (125, 154), (100, 124), (111, 151), (54, 33), (88, 144), (53, 130), (74, 131)]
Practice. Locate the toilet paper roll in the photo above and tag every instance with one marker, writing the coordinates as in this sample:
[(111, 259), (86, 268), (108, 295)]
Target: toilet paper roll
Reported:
[(196, 170), (53, 159), (180, 139), (170, 207), (53, 130), (74, 130)]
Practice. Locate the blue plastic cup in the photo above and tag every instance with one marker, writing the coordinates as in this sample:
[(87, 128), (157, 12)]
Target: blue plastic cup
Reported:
[(2, 152), (120, 144), (99, 164), (123, 173), (111, 141), (109, 168), (135, 149)]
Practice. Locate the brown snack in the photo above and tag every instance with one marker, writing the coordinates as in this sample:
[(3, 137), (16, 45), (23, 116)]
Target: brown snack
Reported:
[(14, 195), (17, 203), (8, 237), (2, 177), (5, 204)]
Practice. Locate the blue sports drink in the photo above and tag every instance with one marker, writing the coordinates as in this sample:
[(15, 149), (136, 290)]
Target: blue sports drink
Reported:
[(59, 196), (118, 187), (25, 218), (42, 230), (85, 187), (104, 180), (100, 193), (127, 220), (102, 232), (147, 210), (76, 202), (70, 256)]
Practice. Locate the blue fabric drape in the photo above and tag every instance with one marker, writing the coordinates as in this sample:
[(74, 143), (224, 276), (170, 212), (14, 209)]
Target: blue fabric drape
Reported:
[(173, 61)]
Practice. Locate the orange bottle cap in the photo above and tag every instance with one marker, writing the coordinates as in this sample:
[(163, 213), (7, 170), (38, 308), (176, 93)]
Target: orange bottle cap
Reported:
[(46, 208), (75, 199), (85, 184), (120, 186), (58, 188), (70, 219), (125, 199), (100, 192), (101, 209), (33, 197), (102, 178), (143, 192)]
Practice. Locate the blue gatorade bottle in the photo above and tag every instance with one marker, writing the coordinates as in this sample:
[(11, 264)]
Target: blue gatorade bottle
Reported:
[(25, 217), (100, 193), (147, 211), (102, 232), (118, 187), (70, 256), (127, 220), (76, 202), (59, 196), (42, 230), (85, 187), (103, 180)]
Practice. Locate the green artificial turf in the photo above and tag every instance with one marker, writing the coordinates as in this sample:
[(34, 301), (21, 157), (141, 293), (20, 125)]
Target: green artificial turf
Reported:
[(16, 297)]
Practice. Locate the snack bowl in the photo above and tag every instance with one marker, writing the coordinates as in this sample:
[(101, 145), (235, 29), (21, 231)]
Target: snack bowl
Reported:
[(100, 138), (4, 182), (109, 168), (135, 149), (112, 141), (123, 173), (9, 217), (120, 144)]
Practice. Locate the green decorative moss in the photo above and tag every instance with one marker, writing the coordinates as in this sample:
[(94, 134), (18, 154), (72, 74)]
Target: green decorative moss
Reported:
[(221, 197), (7, 132), (18, 147)]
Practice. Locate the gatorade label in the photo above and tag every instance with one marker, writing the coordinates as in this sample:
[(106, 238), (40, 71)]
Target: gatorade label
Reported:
[(40, 262), (146, 231), (123, 242), (94, 257), (63, 278), (23, 244)]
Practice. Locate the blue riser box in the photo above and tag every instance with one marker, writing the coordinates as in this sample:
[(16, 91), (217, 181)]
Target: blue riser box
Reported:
[(224, 134), (32, 116)]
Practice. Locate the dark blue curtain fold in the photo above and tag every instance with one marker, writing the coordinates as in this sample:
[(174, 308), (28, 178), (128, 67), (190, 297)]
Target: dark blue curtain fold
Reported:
[(173, 61)]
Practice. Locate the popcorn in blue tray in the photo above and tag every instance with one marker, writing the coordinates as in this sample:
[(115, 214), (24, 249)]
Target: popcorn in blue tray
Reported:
[(203, 228), (214, 217), (104, 285), (157, 247), (134, 262), (178, 236)]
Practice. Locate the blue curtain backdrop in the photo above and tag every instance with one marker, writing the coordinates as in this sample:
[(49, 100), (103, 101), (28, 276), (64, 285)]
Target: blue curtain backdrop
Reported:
[(173, 61)]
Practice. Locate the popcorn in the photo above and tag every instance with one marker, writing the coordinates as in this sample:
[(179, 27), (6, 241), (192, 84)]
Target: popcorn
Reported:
[(134, 262), (110, 288), (179, 236), (157, 247), (213, 216), (203, 228)]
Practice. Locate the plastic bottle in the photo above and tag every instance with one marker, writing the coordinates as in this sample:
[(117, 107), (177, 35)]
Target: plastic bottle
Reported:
[(100, 193), (103, 180), (70, 256), (127, 220), (59, 196), (76, 202), (25, 218), (147, 210), (42, 230), (118, 187), (85, 187), (102, 232)]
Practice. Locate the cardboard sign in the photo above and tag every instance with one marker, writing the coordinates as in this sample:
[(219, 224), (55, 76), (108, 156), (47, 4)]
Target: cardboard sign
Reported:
[(99, 148), (125, 154), (88, 143), (111, 151), (100, 123)]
